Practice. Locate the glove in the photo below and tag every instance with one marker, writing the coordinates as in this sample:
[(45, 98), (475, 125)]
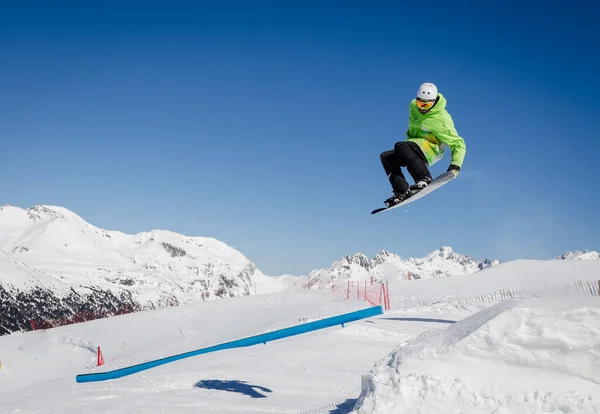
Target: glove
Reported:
[(454, 169)]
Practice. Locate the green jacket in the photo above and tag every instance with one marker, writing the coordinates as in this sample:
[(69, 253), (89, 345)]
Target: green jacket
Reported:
[(434, 132)]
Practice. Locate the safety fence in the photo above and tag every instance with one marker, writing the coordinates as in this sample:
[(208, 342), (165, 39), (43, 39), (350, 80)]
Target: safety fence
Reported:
[(374, 292), (573, 289), (81, 316)]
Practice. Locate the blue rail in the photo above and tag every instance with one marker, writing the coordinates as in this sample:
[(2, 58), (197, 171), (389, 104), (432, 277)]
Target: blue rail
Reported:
[(252, 340)]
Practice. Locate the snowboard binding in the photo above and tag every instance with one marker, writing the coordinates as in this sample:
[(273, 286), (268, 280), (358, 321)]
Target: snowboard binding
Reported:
[(397, 198)]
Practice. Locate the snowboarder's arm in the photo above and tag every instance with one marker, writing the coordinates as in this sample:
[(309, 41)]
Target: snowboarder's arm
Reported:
[(447, 134)]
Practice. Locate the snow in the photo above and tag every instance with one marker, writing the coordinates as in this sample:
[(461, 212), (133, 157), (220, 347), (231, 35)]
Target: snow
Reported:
[(525, 355), (385, 265), (52, 246), (535, 355), (520, 277)]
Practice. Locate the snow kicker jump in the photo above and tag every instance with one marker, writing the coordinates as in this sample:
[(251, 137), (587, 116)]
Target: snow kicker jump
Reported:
[(250, 341)]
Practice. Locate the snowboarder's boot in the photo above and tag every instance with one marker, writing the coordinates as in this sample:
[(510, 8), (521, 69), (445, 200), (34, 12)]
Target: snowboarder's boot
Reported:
[(397, 198), (419, 185)]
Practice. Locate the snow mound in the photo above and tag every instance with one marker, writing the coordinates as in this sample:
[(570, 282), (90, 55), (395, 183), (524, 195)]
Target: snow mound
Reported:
[(528, 356)]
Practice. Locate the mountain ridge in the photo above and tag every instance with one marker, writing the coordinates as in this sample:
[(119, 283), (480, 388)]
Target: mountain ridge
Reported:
[(387, 265)]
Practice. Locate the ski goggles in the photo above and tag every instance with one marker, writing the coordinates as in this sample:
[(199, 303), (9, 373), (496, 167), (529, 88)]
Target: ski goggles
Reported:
[(425, 105)]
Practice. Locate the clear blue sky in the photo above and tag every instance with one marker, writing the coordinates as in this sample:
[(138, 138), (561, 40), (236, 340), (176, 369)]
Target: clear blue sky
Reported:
[(261, 123)]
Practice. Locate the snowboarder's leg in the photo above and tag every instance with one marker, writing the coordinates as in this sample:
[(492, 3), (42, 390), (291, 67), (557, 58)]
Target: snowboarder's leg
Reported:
[(416, 163), (391, 165)]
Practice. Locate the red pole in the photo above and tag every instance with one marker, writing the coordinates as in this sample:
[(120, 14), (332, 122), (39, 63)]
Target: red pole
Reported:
[(387, 294), (380, 293), (100, 357), (365, 290)]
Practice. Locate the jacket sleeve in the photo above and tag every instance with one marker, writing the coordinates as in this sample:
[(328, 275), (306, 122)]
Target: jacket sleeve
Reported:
[(446, 133), (410, 121)]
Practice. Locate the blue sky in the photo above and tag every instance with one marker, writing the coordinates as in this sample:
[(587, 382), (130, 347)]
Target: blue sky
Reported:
[(261, 123)]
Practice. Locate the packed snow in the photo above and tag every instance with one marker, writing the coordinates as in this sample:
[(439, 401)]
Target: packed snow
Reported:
[(519, 355)]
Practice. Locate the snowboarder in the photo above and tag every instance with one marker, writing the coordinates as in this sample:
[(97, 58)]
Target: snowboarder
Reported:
[(430, 131)]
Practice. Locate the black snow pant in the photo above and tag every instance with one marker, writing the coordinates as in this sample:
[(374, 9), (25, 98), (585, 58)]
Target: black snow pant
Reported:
[(405, 154)]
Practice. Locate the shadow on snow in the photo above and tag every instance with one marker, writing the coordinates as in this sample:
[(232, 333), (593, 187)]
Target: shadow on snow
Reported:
[(421, 320), (345, 407), (241, 387)]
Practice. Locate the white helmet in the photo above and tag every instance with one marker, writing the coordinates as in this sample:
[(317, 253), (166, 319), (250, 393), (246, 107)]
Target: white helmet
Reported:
[(427, 91)]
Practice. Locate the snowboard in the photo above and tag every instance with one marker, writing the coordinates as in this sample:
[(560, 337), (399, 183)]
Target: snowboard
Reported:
[(439, 181)]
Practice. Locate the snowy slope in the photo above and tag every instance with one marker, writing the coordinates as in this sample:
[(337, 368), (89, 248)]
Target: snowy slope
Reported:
[(518, 278), (530, 356)]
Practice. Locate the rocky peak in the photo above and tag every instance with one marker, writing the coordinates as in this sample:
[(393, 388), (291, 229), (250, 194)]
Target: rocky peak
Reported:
[(384, 265), (579, 255), (44, 213)]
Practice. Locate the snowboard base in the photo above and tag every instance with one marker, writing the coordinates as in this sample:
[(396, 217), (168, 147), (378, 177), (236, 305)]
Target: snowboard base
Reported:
[(439, 181)]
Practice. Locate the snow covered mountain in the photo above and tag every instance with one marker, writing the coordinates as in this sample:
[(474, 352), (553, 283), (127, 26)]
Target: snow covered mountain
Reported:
[(579, 255), (385, 265), (55, 265), (389, 266)]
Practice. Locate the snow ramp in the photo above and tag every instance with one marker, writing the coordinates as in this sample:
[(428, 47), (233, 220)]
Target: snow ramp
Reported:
[(538, 355), (239, 343)]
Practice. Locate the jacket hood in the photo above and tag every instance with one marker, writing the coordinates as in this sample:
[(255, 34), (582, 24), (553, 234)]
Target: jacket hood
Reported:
[(439, 106)]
